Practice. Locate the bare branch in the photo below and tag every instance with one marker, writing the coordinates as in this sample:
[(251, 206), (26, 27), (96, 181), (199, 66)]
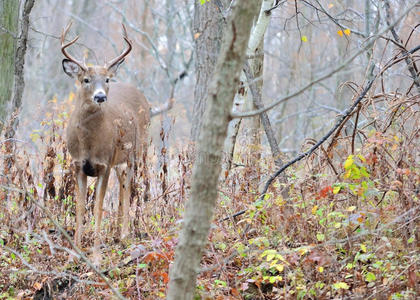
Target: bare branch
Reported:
[(329, 74), (68, 238)]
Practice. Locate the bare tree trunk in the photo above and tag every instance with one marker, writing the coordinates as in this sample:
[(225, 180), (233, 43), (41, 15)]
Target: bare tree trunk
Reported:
[(256, 92), (208, 31), (19, 84), (9, 16), (199, 209), (242, 100)]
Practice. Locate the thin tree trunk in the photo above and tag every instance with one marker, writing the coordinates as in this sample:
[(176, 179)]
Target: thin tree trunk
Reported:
[(199, 209), (19, 75), (242, 101), (208, 31), (256, 96), (9, 16)]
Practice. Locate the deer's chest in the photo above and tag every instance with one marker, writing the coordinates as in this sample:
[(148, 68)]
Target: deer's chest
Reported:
[(90, 141)]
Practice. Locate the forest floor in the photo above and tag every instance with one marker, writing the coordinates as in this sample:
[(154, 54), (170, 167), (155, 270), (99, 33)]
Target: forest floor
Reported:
[(344, 226)]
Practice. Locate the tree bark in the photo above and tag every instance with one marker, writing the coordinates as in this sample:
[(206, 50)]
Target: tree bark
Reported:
[(199, 208), (9, 16), (208, 32), (244, 101), (256, 96), (19, 75)]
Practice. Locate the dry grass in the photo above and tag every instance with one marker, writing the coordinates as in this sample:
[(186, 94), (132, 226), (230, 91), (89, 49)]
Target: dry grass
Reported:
[(348, 229)]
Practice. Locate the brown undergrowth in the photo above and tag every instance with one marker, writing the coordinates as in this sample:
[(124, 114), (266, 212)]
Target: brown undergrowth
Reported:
[(348, 228)]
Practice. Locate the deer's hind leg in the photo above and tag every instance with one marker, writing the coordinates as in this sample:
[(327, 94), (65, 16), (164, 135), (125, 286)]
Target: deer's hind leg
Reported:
[(124, 174)]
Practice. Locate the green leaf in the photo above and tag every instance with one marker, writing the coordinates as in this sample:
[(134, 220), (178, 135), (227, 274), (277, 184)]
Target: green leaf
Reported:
[(351, 208), (220, 282), (337, 225), (370, 277), (341, 285), (272, 279), (270, 257), (320, 237), (349, 162)]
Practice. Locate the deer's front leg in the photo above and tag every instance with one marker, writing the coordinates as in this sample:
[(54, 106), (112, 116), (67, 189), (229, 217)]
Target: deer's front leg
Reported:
[(101, 185), (80, 204)]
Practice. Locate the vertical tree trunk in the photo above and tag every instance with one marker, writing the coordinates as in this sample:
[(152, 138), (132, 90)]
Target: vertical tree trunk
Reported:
[(208, 31), (243, 101), (19, 76), (199, 209), (9, 16)]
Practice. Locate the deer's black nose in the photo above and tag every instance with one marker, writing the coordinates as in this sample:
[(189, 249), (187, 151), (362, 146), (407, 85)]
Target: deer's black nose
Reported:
[(100, 97)]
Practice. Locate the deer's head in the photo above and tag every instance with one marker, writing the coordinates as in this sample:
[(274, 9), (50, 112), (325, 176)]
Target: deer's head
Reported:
[(93, 80)]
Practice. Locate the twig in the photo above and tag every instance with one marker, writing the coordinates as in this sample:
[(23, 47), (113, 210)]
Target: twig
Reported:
[(339, 123), (36, 271), (355, 129), (69, 239), (321, 141), (323, 77), (389, 284), (411, 65), (278, 3)]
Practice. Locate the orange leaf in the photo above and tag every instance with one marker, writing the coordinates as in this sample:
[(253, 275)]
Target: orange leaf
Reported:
[(340, 33), (165, 277), (37, 286), (234, 292)]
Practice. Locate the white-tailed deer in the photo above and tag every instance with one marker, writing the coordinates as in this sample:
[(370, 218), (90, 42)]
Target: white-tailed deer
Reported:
[(108, 128)]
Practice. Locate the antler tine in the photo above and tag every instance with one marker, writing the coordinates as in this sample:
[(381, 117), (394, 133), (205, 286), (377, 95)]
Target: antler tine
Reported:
[(64, 46), (125, 52)]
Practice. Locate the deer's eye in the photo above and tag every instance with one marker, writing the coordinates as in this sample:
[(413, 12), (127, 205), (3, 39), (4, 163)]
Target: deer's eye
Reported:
[(86, 80), (107, 80)]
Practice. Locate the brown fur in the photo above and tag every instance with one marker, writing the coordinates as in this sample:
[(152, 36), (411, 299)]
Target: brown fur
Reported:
[(108, 128), (101, 136)]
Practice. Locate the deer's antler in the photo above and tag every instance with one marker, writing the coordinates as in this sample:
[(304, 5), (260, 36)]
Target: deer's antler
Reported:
[(124, 53), (64, 46)]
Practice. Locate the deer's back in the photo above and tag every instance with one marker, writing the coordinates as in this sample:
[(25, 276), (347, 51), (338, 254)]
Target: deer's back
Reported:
[(130, 113)]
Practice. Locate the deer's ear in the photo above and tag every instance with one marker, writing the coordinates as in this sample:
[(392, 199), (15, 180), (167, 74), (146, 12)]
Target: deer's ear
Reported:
[(70, 68), (114, 68)]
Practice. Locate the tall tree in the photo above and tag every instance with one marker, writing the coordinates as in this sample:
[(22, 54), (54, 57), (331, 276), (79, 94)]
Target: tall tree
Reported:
[(9, 16), (199, 209), (208, 31), (22, 43), (244, 99)]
